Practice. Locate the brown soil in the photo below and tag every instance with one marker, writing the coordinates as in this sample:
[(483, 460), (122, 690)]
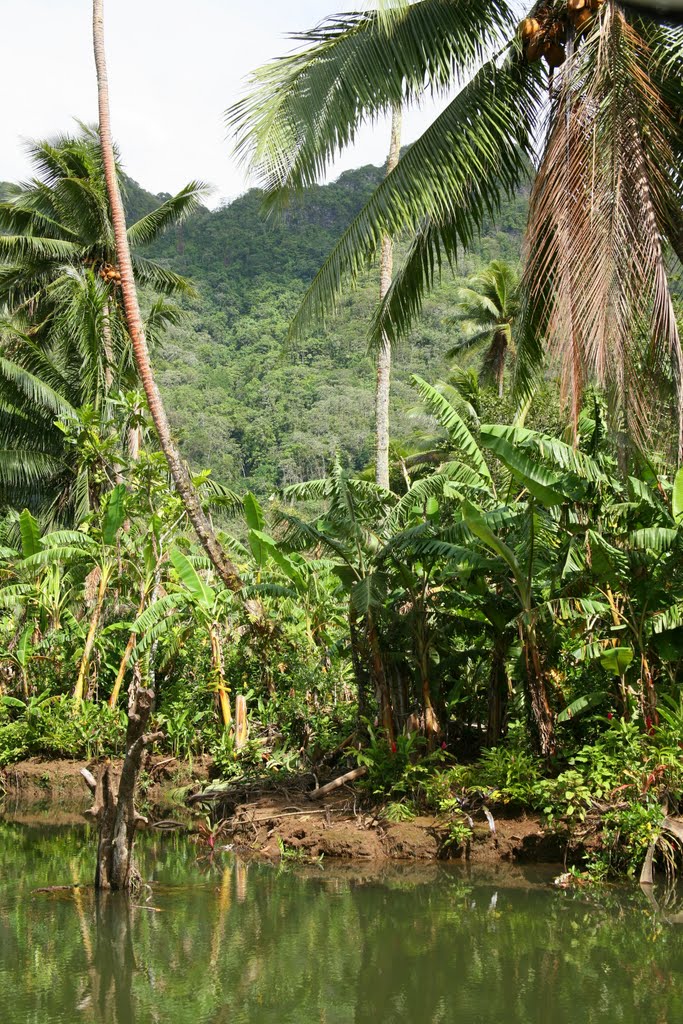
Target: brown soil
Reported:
[(53, 792), (289, 822), (268, 823)]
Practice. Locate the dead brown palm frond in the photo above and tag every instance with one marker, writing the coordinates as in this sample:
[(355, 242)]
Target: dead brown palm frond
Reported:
[(596, 286)]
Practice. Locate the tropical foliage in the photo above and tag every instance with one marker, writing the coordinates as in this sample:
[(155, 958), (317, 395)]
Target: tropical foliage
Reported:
[(505, 620)]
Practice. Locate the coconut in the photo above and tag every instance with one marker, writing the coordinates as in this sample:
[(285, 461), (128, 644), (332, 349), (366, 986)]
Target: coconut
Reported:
[(528, 28), (557, 32), (554, 54), (575, 5), (581, 19), (534, 49)]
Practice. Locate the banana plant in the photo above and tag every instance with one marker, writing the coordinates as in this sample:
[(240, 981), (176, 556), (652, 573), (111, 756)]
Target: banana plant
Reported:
[(96, 554), (352, 531), (191, 602)]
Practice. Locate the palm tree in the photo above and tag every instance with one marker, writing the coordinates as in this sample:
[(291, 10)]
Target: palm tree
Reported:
[(181, 477), (607, 193), (383, 384), (488, 307), (67, 402), (58, 223)]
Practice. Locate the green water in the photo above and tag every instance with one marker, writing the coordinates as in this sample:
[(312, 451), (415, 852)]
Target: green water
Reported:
[(226, 942)]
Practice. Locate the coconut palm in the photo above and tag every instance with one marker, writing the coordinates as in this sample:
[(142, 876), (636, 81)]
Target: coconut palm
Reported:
[(487, 308), (59, 223), (181, 476), (67, 401), (607, 186), (383, 378)]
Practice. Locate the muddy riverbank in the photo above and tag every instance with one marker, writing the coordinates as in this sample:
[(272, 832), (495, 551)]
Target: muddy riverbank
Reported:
[(278, 819)]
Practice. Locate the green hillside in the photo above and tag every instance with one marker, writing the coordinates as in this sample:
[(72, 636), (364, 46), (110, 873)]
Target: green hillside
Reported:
[(257, 412)]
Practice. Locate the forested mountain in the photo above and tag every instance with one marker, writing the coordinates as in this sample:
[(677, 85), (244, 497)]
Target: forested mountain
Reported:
[(260, 412)]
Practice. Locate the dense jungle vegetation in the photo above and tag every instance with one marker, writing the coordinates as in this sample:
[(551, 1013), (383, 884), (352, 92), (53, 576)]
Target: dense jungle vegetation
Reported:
[(504, 623)]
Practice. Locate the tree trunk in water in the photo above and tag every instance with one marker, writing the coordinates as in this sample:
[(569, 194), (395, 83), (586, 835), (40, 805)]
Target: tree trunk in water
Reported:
[(386, 267), (113, 966), (181, 477), (114, 804)]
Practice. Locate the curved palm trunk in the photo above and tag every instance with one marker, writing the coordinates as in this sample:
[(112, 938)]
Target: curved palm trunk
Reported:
[(386, 268), (181, 477)]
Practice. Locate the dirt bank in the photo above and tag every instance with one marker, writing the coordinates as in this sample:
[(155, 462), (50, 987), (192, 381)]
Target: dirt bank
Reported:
[(286, 822), (54, 791), (278, 820)]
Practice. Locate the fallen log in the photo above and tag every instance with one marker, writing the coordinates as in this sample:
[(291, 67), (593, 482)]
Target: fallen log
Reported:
[(355, 773)]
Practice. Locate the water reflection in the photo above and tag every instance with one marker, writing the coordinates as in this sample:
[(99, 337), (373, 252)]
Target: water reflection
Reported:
[(243, 942)]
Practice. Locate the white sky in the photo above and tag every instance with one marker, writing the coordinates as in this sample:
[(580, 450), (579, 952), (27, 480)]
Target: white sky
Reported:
[(173, 69)]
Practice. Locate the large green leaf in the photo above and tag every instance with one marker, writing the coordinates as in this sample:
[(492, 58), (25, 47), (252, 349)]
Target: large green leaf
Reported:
[(581, 704), (115, 515), (200, 591), (253, 513), (677, 497), (25, 645), (616, 660), (30, 534), (473, 519), (262, 546), (545, 486), (451, 420)]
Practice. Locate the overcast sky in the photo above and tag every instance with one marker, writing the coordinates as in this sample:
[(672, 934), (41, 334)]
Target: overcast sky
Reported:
[(173, 69)]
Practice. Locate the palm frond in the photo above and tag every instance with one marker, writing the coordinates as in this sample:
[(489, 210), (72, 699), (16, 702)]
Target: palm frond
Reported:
[(173, 211), (303, 109), (595, 282), (454, 176)]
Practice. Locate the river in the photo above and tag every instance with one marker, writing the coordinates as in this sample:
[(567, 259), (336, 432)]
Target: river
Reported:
[(218, 940)]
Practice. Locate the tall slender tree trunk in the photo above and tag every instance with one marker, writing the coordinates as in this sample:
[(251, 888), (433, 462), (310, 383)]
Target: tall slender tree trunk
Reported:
[(79, 688), (123, 665), (379, 677), (541, 713), (498, 693), (181, 477), (359, 663), (383, 387), (219, 675)]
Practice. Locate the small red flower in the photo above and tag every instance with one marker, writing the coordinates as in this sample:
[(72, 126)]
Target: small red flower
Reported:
[(610, 715), (443, 745), (394, 748)]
